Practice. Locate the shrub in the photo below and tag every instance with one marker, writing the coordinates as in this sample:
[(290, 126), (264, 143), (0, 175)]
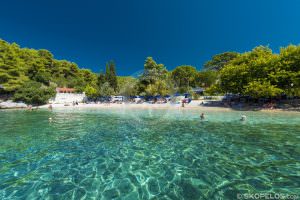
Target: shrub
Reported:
[(34, 93)]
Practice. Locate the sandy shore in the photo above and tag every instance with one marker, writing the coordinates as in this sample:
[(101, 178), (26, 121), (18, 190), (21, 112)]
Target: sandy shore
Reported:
[(141, 106), (194, 105)]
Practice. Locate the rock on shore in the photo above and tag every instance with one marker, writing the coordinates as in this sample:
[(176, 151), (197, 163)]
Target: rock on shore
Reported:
[(11, 104)]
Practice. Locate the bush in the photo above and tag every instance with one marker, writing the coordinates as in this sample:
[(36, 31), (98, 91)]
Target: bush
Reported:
[(90, 91), (258, 89), (34, 93)]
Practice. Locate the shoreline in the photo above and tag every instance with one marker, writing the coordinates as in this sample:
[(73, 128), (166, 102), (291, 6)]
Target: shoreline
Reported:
[(162, 106), (194, 105)]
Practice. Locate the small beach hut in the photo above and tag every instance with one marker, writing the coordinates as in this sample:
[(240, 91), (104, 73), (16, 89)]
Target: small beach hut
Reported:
[(67, 95)]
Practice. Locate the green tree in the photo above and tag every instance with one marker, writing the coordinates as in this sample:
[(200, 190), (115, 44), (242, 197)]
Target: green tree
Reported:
[(101, 79), (286, 72), (153, 73), (254, 65), (20, 65), (259, 89), (184, 77), (112, 78), (106, 90), (158, 88), (34, 93), (207, 78), (127, 86), (220, 60), (90, 91)]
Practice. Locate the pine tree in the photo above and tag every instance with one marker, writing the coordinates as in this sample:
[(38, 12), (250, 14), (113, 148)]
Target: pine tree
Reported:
[(113, 76), (107, 73), (101, 79)]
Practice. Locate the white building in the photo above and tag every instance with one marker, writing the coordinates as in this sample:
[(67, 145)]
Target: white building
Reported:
[(67, 95)]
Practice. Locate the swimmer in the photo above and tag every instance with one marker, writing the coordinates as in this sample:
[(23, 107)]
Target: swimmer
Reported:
[(243, 118), (202, 117), (50, 119), (29, 107), (50, 107)]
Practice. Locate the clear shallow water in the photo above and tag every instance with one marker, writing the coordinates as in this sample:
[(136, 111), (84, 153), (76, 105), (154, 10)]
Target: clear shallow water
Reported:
[(147, 154)]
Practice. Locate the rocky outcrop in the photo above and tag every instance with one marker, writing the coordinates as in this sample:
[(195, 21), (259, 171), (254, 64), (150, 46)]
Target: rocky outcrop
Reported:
[(11, 104)]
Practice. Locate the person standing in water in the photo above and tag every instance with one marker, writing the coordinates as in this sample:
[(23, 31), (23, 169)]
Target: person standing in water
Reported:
[(243, 118), (202, 117)]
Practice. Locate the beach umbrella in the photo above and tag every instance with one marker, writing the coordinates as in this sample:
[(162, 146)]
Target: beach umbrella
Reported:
[(186, 95)]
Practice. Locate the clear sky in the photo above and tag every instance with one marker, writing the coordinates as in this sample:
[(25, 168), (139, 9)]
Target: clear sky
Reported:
[(173, 32)]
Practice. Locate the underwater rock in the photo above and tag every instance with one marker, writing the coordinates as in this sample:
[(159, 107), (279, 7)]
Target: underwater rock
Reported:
[(153, 186), (124, 186), (111, 194)]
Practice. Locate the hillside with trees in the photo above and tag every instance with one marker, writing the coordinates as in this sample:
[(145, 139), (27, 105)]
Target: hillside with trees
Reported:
[(32, 75), (23, 69)]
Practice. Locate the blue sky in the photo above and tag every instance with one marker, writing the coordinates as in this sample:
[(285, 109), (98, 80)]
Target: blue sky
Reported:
[(173, 32)]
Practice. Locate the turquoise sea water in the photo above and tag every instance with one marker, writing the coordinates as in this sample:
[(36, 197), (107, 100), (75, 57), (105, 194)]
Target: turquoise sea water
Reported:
[(147, 154)]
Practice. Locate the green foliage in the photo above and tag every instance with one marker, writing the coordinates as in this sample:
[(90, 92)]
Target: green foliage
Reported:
[(184, 77), (160, 87), (213, 90), (111, 76), (229, 72), (257, 89), (262, 70), (101, 79), (127, 86), (107, 82), (29, 75), (154, 74), (20, 65), (90, 91), (106, 90), (220, 60), (35, 93), (207, 78)]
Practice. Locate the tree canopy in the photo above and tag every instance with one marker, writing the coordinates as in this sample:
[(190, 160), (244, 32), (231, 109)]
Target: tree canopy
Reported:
[(31, 75), (153, 76), (184, 76), (261, 69), (220, 60), (20, 65)]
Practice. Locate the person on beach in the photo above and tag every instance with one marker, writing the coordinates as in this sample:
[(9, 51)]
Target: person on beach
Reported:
[(202, 117)]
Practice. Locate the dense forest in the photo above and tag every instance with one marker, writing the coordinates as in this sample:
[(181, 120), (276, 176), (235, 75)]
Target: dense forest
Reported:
[(32, 75)]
